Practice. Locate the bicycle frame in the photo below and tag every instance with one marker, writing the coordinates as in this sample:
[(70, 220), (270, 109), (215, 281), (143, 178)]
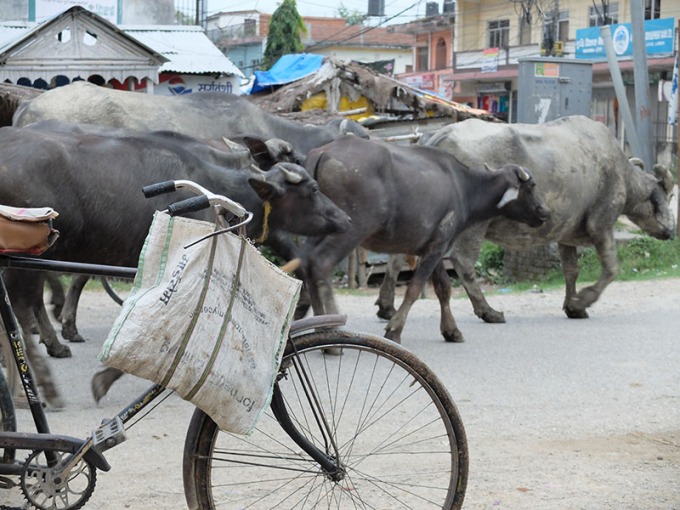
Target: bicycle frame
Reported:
[(91, 448)]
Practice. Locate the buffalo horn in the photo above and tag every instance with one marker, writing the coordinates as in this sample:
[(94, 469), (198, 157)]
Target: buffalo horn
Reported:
[(663, 174), (291, 177), (637, 162), (523, 174), (233, 145), (486, 165)]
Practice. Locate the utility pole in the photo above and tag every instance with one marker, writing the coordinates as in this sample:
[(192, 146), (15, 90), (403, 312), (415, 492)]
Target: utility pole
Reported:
[(641, 75)]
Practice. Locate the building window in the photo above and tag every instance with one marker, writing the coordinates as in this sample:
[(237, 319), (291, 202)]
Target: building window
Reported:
[(604, 13), (652, 9), (560, 26), (524, 31), (421, 58), (499, 33), (440, 54)]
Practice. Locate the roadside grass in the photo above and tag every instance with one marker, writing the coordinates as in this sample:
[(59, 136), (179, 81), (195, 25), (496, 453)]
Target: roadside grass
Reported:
[(641, 258)]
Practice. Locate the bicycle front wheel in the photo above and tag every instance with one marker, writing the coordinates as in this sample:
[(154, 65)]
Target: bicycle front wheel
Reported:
[(376, 409)]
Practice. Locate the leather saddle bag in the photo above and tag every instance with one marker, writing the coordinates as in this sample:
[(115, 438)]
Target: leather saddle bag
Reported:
[(26, 230)]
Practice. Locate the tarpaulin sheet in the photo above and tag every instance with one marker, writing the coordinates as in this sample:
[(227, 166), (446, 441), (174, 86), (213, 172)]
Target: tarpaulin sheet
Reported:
[(287, 69)]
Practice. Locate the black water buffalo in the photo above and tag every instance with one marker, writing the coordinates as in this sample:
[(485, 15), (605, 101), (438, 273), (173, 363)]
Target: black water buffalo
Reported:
[(408, 200), (587, 182), (239, 152), (208, 115), (95, 181)]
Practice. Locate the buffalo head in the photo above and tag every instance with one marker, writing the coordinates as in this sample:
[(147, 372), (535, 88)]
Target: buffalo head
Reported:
[(297, 204), (519, 201), (648, 206)]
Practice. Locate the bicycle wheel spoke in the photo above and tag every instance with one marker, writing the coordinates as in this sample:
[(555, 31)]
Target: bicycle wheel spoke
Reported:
[(392, 439)]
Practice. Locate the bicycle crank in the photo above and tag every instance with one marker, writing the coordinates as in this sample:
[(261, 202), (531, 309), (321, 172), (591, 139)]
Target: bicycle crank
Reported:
[(47, 485)]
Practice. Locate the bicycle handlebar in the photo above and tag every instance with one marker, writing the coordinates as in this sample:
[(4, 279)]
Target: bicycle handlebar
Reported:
[(205, 198)]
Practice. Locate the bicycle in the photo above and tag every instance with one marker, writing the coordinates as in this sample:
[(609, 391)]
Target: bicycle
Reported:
[(370, 428)]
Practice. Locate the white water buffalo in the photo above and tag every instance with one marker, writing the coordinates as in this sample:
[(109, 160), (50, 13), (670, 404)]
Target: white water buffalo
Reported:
[(587, 182), (412, 199), (207, 115)]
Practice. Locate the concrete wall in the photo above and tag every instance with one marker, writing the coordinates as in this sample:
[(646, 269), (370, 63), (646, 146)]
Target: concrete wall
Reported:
[(135, 12), (13, 10)]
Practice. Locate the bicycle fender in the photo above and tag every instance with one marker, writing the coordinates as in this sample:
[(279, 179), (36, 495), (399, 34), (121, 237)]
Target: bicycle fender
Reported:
[(317, 321)]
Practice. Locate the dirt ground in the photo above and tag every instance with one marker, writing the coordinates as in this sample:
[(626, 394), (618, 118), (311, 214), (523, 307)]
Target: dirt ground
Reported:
[(537, 441)]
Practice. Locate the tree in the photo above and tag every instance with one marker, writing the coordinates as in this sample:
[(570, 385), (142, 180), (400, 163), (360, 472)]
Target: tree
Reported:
[(352, 17), (285, 28)]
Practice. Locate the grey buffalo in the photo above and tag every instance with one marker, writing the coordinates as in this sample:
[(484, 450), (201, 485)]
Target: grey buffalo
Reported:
[(408, 200), (95, 181), (207, 115), (587, 181)]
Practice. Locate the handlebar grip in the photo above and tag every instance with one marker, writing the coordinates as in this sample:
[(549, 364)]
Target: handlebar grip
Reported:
[(192, 204), (159, 188)]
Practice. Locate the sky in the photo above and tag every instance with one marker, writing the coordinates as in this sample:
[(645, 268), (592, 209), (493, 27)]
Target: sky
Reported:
[(396, 11)]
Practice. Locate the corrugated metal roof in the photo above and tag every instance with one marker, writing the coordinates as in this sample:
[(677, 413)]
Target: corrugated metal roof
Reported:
[(187, 47)]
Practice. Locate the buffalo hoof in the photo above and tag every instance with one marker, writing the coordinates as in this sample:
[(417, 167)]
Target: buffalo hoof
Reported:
[(493, 317), (77, 339), (59, 351), (386, 313), (576, 313), (455, 337), (393, 335)]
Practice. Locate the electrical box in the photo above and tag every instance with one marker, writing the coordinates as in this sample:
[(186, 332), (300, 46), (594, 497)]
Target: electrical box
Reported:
[(549, 88)]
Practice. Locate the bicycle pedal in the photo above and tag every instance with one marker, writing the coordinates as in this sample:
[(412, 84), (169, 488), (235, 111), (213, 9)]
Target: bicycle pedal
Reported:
[(109, 434)]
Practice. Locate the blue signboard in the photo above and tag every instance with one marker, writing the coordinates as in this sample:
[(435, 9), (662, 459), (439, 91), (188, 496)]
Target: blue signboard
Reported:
[(658, 39)]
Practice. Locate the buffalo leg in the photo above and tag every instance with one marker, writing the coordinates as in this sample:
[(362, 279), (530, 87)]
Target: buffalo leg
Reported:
[(387, 291), (42, 373), (69, 329), (570, 269), (58, 297), (442, 288), (318, 264), (576, 303), (26, 292), (463, 255), (413, 292)]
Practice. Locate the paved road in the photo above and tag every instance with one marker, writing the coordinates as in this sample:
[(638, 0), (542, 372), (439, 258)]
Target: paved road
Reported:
[(560, 414)]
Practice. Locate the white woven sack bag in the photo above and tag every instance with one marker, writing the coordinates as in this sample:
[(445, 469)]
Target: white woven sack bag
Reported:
[(209, 321)]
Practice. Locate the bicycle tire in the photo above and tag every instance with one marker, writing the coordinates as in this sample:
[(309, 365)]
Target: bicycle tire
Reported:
[(402, 441), (113, 294)]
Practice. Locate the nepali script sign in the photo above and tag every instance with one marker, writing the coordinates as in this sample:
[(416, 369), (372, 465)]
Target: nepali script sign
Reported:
[(658, 39)]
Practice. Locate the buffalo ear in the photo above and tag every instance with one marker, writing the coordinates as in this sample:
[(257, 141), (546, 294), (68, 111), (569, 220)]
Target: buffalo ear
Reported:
[(265, 190), (259, 151), (510, 194)]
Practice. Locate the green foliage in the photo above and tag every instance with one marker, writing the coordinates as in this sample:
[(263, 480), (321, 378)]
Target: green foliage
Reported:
[(489, 264), (285, 28), (642, 258), (353, 17)]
